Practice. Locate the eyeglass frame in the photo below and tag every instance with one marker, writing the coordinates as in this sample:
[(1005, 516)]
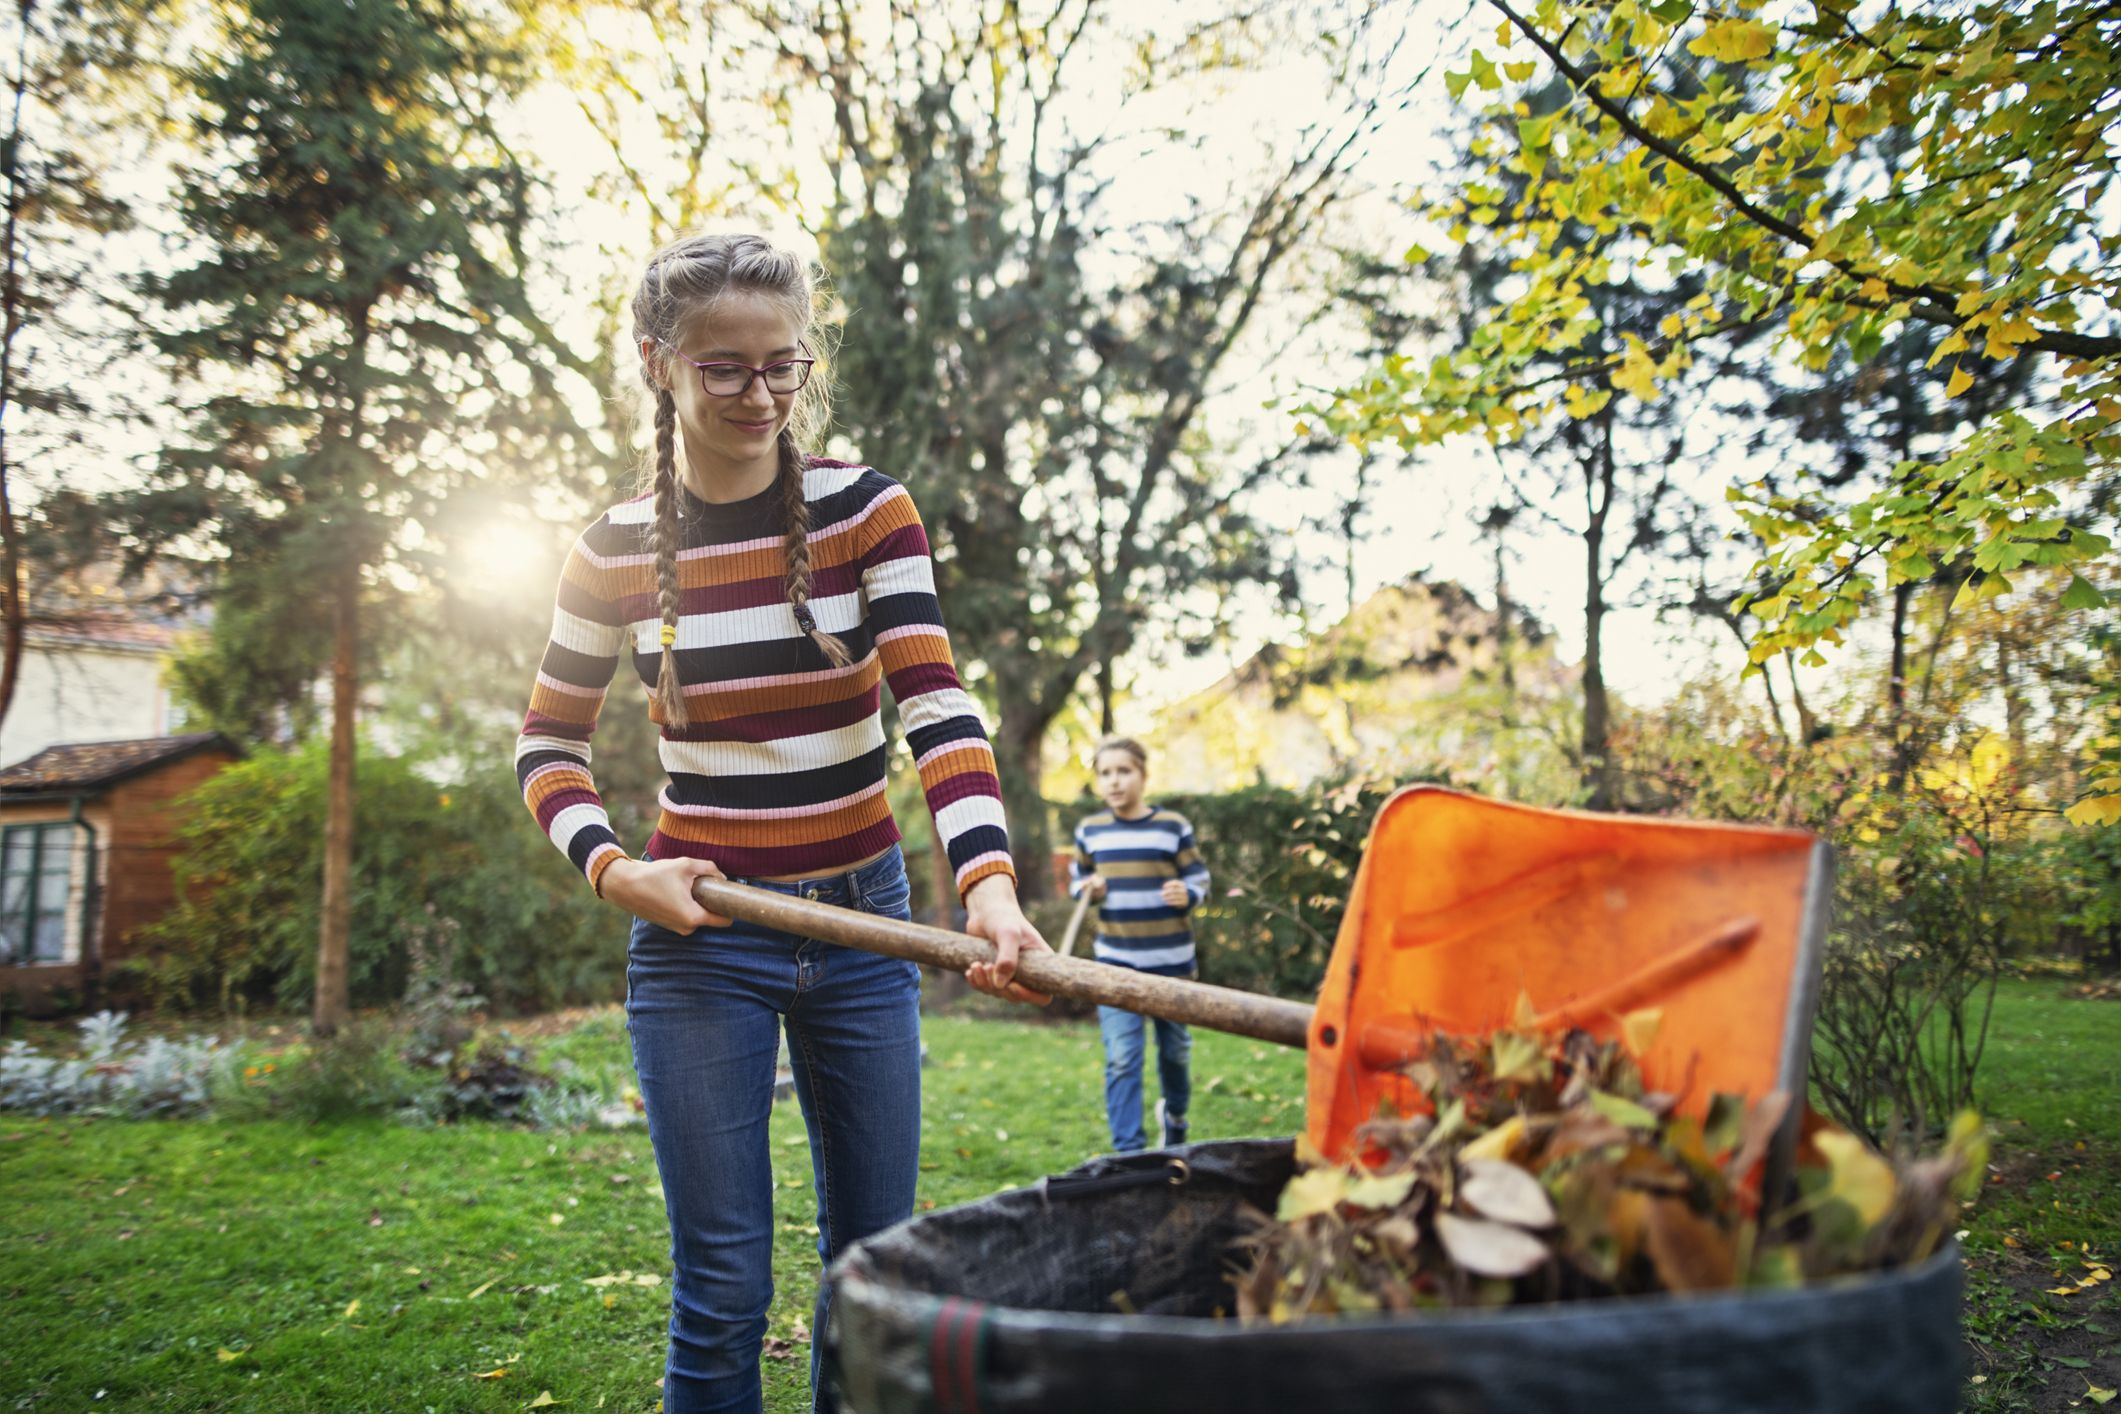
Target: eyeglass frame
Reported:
[(751, 371)]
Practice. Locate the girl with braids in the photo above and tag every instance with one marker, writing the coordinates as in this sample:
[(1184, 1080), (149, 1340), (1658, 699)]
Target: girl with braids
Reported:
[(764, 596)]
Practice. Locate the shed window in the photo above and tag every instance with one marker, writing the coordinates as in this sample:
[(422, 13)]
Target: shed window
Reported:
[(36, 869)]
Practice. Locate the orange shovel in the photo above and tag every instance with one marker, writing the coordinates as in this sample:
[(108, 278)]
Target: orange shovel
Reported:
[(1462, 907)]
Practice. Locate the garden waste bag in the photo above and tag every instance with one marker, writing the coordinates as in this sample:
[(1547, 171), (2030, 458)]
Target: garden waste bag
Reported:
[(1104, 1291)]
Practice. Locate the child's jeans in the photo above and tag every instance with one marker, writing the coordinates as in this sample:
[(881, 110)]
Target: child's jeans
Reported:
[(1123, 1033), (705, 1011)]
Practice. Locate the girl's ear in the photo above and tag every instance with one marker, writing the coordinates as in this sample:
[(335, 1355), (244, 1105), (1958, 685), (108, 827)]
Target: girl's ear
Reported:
[(652, 363)]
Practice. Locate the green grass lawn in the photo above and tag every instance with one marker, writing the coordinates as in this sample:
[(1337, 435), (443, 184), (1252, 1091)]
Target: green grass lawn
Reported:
[(198, 1265), (2050, 1087), (270, 1266)]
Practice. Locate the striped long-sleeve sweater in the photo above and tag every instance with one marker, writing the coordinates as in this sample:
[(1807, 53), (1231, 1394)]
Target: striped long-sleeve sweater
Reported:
[(780, 770), (1135, 927)]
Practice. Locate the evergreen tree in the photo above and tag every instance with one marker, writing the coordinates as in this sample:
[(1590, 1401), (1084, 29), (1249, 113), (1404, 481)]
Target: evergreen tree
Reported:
[(355, 321)]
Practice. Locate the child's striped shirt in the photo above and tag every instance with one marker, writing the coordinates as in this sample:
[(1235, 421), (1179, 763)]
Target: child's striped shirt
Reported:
[(1135, 927), (780, 769)]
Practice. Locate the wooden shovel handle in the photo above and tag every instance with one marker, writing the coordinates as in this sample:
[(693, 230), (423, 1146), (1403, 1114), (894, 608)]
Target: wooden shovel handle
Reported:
[(1077, 978)]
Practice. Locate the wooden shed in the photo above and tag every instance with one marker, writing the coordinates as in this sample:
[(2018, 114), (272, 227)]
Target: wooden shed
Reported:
[(87, 835)]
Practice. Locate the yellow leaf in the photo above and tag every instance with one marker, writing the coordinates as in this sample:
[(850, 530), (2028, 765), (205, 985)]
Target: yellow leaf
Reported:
[(1495, 1144), (1521, 71), (1517, 1057), (493, 1374), (543, 1401), (1310, 1193), (1991, 755), (1638, 1029), (2095, 810), (1874, 289), (1861, 1178), (1734, 41), (1637, 374), (1380, 1190), (2097, 1395), (481, 1290), (2062, 1291), (1960, 381), (225, 1354), (351, 1307)]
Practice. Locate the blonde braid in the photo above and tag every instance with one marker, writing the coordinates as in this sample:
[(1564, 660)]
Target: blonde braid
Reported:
[(798, 508), (669, 692)]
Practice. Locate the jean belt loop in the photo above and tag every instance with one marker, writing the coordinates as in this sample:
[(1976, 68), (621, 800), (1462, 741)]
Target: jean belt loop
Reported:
[(854, 888)]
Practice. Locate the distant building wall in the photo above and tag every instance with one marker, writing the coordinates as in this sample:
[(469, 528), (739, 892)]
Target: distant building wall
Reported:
[(72, 690)]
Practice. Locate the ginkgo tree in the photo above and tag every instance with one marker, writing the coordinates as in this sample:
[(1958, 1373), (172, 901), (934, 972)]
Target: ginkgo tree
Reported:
[(1760, 176)]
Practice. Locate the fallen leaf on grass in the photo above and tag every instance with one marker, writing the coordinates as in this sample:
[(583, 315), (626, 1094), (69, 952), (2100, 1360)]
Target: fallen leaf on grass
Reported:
[(375, 1217), (2097, 1395), (543, 1401), (495, 1373), (481, 1290), (351, 1307), (224, 1354), (779, 1348)]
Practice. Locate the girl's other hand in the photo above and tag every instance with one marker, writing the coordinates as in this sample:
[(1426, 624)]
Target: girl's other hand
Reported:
[(993, 913), (1174, 893), (660, 891), (1095, 887)]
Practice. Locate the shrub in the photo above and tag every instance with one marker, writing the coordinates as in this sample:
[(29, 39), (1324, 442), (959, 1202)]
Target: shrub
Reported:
[(157, 1077), (353, 1074), (532, 935)]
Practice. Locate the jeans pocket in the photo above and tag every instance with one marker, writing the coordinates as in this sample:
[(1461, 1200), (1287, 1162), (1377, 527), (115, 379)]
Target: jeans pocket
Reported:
[(890, 898)]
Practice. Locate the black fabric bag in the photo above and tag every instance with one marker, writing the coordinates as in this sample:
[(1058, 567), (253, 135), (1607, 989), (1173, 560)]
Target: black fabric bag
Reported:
[(1014, 1303)]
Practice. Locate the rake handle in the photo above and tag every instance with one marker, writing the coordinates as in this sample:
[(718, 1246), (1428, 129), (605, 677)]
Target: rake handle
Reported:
[(1081, 979)]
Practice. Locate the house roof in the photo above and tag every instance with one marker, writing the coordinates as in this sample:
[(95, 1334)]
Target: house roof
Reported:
[(94, 765), (103, 630)]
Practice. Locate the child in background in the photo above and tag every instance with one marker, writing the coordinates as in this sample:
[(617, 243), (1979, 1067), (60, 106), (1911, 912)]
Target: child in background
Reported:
[(1140, 862)]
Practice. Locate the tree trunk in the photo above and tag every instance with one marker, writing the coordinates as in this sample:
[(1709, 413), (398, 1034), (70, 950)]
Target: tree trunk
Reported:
[(14, 614), (1896, 722), (1597, 770), (1807, 720), (1019, 752), (331, 998)]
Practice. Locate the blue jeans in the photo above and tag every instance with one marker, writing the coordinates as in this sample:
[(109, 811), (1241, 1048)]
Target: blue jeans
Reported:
[(704, 1011), (1124, 1040)]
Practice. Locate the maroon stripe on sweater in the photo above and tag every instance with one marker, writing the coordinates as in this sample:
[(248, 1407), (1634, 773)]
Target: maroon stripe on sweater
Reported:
[(904, 543), (559, 800), (743, 594), (779, 726), (913, 680), (831, 856), (965, 785), (538, 724)]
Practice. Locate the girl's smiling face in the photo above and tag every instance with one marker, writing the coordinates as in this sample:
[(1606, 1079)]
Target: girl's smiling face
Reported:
[(1120, 780), (729, 441)]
